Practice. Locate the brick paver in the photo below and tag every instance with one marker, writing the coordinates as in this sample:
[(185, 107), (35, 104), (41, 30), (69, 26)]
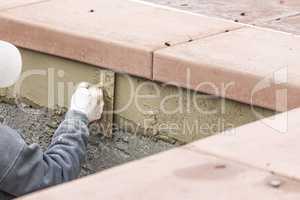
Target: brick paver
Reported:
[(252, 65), (115, 34)]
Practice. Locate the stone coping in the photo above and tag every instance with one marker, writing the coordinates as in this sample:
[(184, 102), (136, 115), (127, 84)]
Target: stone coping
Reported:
[(251, 65), (115, 34), (258, 160), (162, 44), (226, 166)]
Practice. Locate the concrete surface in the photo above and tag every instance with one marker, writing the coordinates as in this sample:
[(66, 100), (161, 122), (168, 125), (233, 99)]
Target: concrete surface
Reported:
[(252, 65), (110, 39), (178, 174), (271, 144), (275, 14), (4, 4), (289, 24), (38, 126), (245, 11), (50, 81), (170, 112)]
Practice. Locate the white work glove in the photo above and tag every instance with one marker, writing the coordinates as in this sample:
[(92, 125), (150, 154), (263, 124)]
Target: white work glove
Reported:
[(88, 100)]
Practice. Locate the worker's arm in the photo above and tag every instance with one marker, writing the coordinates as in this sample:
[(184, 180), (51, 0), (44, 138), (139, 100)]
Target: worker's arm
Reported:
[(30, 169)]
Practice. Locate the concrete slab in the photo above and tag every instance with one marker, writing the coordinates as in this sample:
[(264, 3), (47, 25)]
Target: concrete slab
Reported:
[(288, 24), (177, 174), (271, 144), (50, 81), (176, 114), (252, 65), (116, 34), (290, 3), (246, 11), (4, 4)]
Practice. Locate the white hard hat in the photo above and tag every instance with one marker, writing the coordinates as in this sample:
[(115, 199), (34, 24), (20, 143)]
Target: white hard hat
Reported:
[(10, 64)]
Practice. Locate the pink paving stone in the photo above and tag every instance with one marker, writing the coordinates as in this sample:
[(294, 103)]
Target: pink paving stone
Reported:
[(290, 3), (177, 174), (246, 11), (252, 65), (289, 24), (116, 34), (271, 144), (6, 4)]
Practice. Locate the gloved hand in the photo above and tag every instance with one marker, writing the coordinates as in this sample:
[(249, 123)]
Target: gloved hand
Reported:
[(88, 100)]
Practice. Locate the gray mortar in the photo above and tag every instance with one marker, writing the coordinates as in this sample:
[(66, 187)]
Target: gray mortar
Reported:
[(38, 126)]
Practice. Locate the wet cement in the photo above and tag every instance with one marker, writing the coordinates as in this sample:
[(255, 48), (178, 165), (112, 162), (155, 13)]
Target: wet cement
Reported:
[(38, 126)]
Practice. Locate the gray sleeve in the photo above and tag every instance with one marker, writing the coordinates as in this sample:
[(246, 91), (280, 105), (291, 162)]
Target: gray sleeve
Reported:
[(31, 169)]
